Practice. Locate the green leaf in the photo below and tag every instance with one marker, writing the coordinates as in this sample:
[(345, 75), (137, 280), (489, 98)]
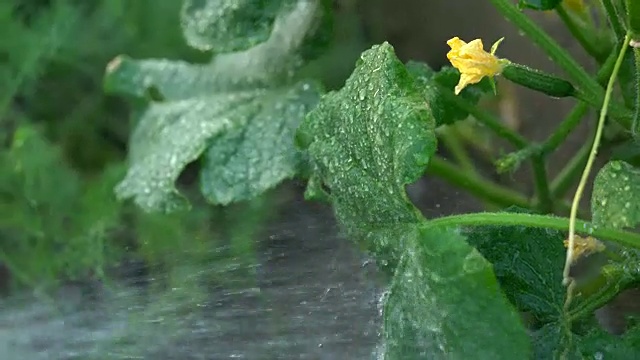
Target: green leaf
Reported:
[(365, 143), (438, 87), (539, 4), (600, 344), (528, 263), (235, 109), (554, 341), (248, 160), (229, 25), (627, 151), (616, 196), (444, 303)]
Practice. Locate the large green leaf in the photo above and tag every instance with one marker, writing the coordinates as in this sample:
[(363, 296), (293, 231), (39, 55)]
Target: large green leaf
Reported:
[(233, 109), (444, 303), (229, 25), (365, 142), (529, 263), (616, 196)]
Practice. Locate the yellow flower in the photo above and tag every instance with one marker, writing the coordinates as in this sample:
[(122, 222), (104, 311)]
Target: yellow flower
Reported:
[(472, 61), (584, 246)]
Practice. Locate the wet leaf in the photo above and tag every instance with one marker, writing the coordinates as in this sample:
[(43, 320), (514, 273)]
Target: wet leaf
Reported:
[(554, 341), (600, 344), (616, 196), (528, 263), (231, 108), (445, 303), (229, 25), (365, 143), (247, 160), (437, 88), (539, 4)]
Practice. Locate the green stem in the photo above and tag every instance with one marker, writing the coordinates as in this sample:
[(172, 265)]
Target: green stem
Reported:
[(562, 183), (468, 133), (537, 221), (589, 89), (614, 19), (565, 128), (476, 185), (544, 203), (451, 140), (485, 118), (579, 34), (573, 119), (557, 54), (591, 159)]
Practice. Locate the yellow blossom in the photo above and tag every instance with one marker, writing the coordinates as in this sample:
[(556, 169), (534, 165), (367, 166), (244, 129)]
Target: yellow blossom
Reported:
[(472, 61), (584, 246)]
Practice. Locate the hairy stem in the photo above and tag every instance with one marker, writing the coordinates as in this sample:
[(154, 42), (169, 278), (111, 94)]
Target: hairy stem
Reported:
[(476, 185), (451, 141), (565, 128), (538, 221), (614, 19), (544, 203), (563, 182), (586, 40)]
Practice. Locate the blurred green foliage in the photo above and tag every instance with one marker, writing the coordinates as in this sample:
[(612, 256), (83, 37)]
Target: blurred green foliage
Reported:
[(63, 144)]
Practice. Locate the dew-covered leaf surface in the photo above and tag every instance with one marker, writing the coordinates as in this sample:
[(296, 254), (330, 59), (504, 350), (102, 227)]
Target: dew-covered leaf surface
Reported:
[(615, 201), (247, 160), (366, 142), (553, 341), (240, 108), (528, 263), (444, 303), (229, 25)]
